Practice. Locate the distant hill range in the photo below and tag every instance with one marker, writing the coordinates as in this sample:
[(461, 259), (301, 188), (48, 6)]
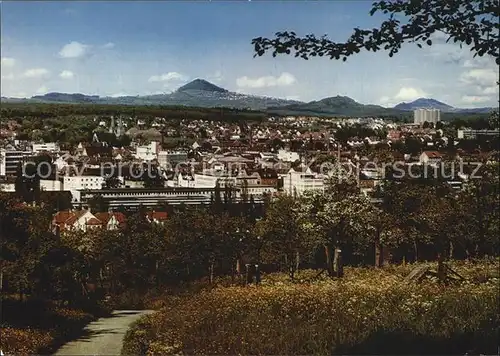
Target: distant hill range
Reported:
[(201, 93), (337, 105), (425, 103)]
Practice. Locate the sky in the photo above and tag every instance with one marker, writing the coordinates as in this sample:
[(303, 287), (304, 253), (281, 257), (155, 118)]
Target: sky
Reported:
[(141, 48)]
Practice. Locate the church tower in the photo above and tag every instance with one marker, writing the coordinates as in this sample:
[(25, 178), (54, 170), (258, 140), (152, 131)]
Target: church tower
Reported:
[(119, 129), (112, 125)]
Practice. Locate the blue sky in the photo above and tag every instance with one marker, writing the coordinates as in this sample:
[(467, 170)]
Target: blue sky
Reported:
[(137, 48)]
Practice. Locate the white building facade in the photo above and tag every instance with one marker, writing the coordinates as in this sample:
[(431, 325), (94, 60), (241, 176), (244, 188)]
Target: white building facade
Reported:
[(430, 115), (169, 159), (50, 185), (52, 147), (147, 152), (209, 179), (297, 182), (9, 161), (78, 183), (288, 156), (473, 134)]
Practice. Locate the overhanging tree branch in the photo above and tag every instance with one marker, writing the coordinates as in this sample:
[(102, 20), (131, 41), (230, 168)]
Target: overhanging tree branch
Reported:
[(471, 22)]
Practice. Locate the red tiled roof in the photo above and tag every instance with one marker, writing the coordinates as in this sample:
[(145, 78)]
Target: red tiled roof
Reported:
[(105, 217), (158, 215), (120, 217), (67, 217), (433, 154), (74, 217), (62, 216), (367, 183), (94, 221)]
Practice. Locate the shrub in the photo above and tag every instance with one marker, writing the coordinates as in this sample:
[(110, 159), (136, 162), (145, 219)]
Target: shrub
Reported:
[(35, 326), (23, 341)]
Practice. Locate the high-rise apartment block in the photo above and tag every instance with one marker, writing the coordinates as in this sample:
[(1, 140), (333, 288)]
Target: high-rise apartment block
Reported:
[(430, 115)]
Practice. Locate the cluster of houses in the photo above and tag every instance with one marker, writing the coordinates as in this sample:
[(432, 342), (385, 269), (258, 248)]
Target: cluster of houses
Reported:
[(85, 220), (253, 162)]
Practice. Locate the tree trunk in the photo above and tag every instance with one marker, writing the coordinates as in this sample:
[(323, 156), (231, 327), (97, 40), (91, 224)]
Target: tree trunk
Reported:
[(335, 258), (379, 254), (258, 253), (249, 278), (450, 251), (338, 263), (441, 271), (1, 279), (297, 261), (476, 250), (328, 256), (238, 266), (211, 268), (157, 279), (415, 247)]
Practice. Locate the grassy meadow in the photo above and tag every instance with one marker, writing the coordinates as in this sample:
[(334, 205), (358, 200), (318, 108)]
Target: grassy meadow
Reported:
[(370, 311)]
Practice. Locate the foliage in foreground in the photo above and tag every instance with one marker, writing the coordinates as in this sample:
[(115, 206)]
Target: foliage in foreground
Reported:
[(472, 23), (38, 327), (370, 311)]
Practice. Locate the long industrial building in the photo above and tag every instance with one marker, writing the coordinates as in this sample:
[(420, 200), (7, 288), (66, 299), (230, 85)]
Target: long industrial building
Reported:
[(135, 197)]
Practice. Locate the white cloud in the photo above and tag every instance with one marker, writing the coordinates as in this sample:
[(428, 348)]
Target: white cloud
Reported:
[(108, 45), (404, 94), (74, 50), (21, 94), (285, 79), (449, 52), (409, 94), (36, 73), (439, 37), (8, 62), (293, 97), (385, 100), (480, 85), (66, 74), (9, 76), (216, 77), (42, 90), (117, 95), (482, 77), (473, 99), (168, 77), (490, 90)]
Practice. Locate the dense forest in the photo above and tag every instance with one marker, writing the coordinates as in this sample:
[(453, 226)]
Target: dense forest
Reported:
[(20, 110), (42, 110)]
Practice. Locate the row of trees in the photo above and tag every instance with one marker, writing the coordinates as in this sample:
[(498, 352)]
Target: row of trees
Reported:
[(414, 220), (172, 112)]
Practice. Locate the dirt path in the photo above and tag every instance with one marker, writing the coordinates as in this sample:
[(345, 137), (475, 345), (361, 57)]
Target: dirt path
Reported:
[(103, 336)]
